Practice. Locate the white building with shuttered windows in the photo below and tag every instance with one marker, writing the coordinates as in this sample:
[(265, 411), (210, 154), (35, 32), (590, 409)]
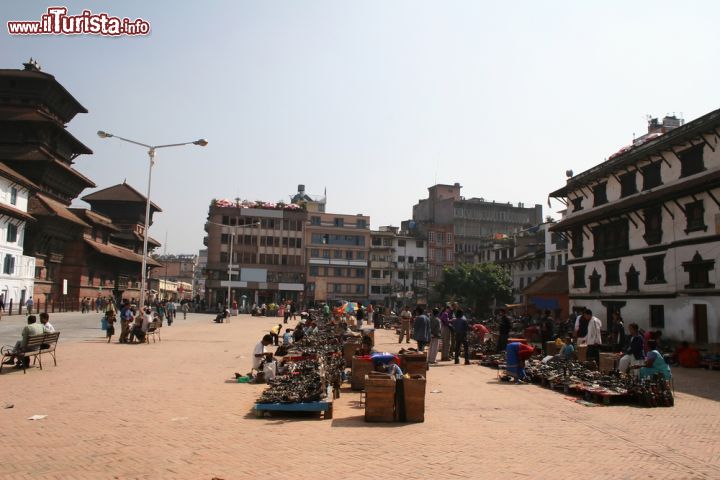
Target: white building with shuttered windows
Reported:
[(17, 271), (644, 230)]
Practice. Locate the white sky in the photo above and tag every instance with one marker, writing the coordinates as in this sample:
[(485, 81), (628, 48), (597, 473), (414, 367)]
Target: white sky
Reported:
[(375, 100)]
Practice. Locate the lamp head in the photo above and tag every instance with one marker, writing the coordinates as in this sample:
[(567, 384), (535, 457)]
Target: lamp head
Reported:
[(102, 134), (202, 142)]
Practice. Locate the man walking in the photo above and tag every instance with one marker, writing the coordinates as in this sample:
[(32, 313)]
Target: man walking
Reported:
[(504, 330), (460, 325), (445, 334), (434, 336), (405, 319), (29, 304), (421, 328)]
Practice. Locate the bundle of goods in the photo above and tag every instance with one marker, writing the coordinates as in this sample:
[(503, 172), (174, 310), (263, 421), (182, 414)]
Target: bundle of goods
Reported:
[(653, 392), (302, 382)]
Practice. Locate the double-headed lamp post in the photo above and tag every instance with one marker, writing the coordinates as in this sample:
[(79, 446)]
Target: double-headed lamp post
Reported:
[(230, 259), (151, 154)]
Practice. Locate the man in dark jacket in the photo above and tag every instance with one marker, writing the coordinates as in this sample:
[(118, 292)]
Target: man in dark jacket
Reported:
[(460, 325), (504, 330)]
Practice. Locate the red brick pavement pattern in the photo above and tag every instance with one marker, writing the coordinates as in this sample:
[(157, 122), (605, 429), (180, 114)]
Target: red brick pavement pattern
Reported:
[(170, 411)]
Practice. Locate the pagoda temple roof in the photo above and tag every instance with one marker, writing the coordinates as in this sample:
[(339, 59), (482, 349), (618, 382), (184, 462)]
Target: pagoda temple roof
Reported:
[(121, 192)]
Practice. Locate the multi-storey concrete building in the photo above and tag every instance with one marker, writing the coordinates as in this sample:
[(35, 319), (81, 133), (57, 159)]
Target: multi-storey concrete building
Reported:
[(645, 231), (382, 256), (338, 248), (199, 281), (256, 249), (449, 220), (18, 270), (410, 268), (179, 269)]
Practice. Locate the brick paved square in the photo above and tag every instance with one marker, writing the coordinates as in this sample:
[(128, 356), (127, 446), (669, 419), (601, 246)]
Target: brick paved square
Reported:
[(171, 410)]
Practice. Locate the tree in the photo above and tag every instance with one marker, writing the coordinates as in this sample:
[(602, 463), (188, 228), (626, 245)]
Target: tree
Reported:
[(477, 285)]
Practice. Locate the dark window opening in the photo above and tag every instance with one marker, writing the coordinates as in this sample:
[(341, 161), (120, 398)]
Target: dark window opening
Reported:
[(579, 277), (691, 160), (600, 194), (577, 204), (595, 282), (655, 269), (577, 242), (695, 215), (628, 184), (699, 272), (653, 225), (611, 239), (657, 316), (651, 175), (612, 273), (633, 279)]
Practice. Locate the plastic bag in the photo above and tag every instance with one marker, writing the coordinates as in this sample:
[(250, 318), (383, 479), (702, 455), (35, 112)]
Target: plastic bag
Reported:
[(270, 370)]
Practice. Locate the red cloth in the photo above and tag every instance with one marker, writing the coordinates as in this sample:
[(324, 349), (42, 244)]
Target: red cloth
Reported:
[(480, 329), (688, 357), (525, 351)]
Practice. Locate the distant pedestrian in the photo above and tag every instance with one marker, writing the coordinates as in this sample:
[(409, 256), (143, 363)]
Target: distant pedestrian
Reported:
[(435, 332), (110, 319), (445, 334), (29, 305), (405, 319), (359, 315), (461, 326), (185, 308), (503, 330), (421, 329)]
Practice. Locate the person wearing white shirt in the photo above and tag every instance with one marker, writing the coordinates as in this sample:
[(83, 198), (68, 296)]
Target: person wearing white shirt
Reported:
[(588, 330), (261, 351), (45, 321)]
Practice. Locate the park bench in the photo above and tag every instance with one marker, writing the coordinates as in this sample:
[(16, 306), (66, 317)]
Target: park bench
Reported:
[(153, 331), (45, 343)]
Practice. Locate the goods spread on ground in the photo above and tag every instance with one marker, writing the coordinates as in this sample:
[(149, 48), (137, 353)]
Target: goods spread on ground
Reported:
[(583, 378)]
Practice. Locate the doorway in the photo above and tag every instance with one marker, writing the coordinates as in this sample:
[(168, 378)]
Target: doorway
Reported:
[(700, 325)]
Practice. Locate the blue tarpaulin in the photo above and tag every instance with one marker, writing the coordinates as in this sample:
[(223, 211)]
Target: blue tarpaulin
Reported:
[(545, 303)]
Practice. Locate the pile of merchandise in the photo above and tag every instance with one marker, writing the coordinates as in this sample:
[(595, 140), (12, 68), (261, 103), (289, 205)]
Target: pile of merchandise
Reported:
[(309, 366), (578, 376)]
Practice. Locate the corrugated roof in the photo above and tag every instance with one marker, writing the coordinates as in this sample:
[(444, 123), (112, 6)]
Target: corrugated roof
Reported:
[(664, 142), (550, 283)]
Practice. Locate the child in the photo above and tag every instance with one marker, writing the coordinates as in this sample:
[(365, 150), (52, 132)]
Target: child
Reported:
[(110, 319), (566, 353)]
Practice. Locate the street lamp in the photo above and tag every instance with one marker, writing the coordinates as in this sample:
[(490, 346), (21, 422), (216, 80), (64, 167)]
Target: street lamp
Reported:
[(151, 154), (230, 264)]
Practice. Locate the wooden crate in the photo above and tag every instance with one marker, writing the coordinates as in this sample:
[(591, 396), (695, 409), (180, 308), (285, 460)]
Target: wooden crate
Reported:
[(379, 397), (551, 348), (360, 368), (608, 362), (414, 363), (349, 350), (581, 351), (414, 388)]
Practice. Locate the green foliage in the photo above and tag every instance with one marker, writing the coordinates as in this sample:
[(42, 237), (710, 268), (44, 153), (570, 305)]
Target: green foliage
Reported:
[(478, 286)]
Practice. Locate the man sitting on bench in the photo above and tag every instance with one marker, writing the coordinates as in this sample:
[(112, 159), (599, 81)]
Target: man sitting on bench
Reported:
[(31, 329)]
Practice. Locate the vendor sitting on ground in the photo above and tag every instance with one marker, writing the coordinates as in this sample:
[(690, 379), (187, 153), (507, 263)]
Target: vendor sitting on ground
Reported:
[(516, 354), (260, 352), (391, 367), (654, 363), (288, 336), (568, 350), (686, 356), (634, 354)]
